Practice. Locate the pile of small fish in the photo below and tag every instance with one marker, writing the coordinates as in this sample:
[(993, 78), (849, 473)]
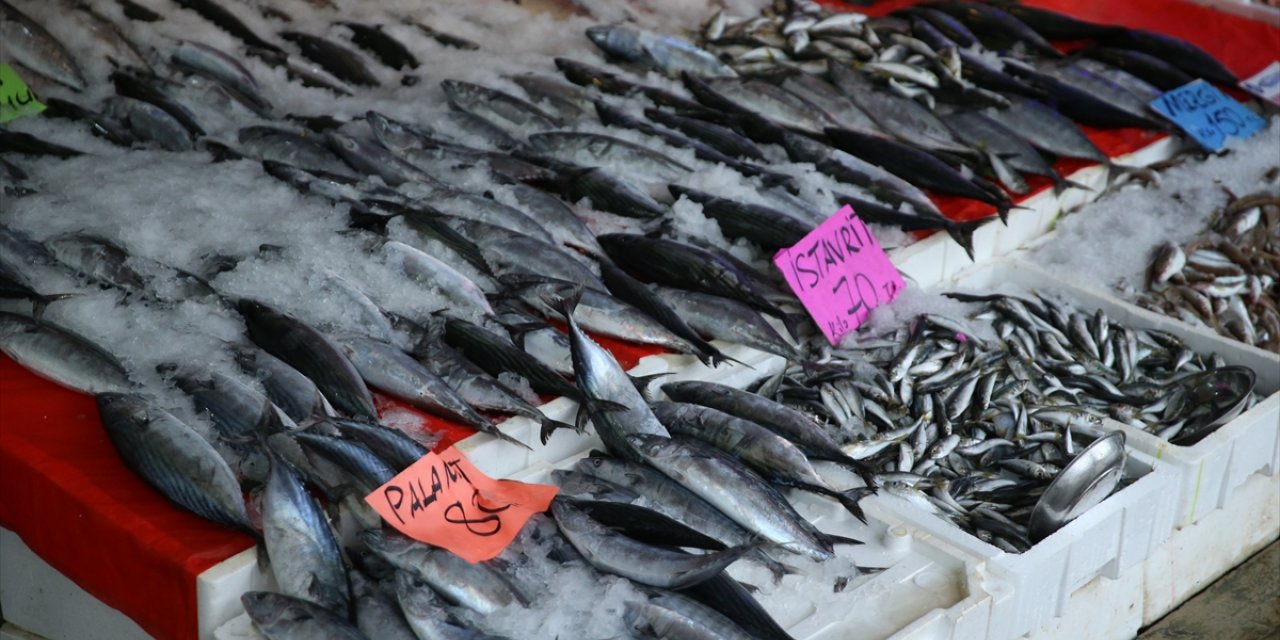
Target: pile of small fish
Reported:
[(568, 204), (975, 429), (1227, 279)]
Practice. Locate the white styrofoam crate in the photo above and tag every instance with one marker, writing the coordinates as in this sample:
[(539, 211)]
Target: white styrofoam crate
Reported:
[(1212, 468)]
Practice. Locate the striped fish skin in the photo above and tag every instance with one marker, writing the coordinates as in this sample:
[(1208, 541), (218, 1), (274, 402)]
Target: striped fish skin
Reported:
[(173, 458), (280, 617), (61, 355), (305, 557)]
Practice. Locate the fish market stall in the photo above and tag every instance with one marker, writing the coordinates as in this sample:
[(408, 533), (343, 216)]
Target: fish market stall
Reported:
[(266, 263)]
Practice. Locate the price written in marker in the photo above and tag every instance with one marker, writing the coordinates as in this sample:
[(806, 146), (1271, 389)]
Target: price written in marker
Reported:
[(1208, 115), (16, 99), (443, 500), (840, 273), (1265, 84)]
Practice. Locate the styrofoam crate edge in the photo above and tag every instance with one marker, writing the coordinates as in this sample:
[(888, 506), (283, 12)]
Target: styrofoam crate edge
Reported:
[(1222, 460)]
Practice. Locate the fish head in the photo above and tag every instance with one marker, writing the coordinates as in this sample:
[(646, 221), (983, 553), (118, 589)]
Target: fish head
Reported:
[(118, 407), (267, 610)]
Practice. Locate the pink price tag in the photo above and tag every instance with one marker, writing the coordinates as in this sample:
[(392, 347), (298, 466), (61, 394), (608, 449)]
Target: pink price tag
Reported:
[(840, 273)]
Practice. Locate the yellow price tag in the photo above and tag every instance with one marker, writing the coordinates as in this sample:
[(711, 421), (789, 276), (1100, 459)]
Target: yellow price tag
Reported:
[(16, 99)]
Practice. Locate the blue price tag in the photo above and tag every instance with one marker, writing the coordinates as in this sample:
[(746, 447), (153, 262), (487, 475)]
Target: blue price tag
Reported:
[(1207, 114)]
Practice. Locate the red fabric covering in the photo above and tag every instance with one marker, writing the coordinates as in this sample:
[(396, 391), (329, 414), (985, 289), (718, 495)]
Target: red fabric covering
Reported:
[(64, 490)]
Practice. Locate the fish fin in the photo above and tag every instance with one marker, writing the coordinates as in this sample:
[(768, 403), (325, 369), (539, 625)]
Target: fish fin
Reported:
[(497, 433), (962, 233), (849, 500), (39, 304), (1061, 184), (793, 322), (863, 470), (642, 383), (549, 426), (776, 567), (835, 539), (264, 560)]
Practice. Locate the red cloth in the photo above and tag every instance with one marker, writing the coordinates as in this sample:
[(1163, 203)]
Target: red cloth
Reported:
[(64, 490)]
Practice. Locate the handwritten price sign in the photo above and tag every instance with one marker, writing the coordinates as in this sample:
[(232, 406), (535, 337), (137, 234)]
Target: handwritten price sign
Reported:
[(1265, 84), (445, 501), (16, 99), (1207, 114), (840, 273)]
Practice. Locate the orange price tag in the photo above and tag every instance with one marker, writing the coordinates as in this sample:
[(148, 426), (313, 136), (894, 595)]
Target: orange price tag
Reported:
[(443, 500)]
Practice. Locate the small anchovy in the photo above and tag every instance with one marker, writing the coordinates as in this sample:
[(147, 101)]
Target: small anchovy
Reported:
[(666, 54), (224, 70), (503, 110), (386, 49)]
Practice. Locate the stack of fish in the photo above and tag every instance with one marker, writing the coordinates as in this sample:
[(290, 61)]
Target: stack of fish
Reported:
[(1227, 279), (563, 203), (974, 429)]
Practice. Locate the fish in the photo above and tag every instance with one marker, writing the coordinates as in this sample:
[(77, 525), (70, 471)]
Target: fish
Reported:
[(172, 458), (392, 371), (427, 615), (605, 190), (150, 123), (150, 90), (568, 102), (31, 45), (996, 26), (721, 138), (851, 169), (752, 502), (586, 75), (393, 446), (668, 615), (769, 228), (557, 218), (996, 138), (25, 143), (812, 439), (608, 396), (225, 70), (228, 22), (496, 354), (345, 64), (720, 318), (640, 562), (377, 613), (389, 51), (479, 586), (1176, 51), (671, 263), (769, 454), (304, 151), (238, 411), (647, 300), (312, 353), (616, 154), (503, 110), (919, 167), (280, 617), (352, 457), (666, 54), (61, 355), (456, 287), (1154, 70), (599, 312), (1048, 130), (293, 393), (1090, 98), (305, 558)]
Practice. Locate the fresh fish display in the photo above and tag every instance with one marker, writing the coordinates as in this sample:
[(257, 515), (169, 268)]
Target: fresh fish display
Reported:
[(1224, 279), (282, 248)]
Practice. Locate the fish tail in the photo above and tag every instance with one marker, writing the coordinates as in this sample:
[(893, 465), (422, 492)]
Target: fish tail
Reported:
[(40, 303), (1061, 184), (850, 499), (497, 433), (962, 233), (550, 426)]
